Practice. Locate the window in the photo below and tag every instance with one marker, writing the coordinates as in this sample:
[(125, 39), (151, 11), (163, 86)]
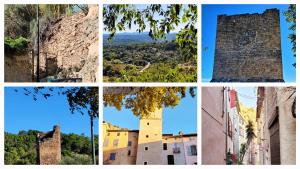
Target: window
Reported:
[(129, 143), (116, 142), (112, 156), (146, 163), (106, 142), (129, 152), (108, 134), (147, 136), (165, 146), (148, 123), (176, 149), (146, 148), (193, 150), (118, 134)]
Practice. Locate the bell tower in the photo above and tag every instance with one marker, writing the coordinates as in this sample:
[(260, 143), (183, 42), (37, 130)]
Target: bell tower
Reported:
[(150, 139)]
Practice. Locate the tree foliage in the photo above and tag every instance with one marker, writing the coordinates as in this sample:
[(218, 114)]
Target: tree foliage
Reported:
[(20, 20), (290, 16), (15, 46), (123, 63), (158, 20), (144, 100), (81, 99), (250, 135), (19, 17)]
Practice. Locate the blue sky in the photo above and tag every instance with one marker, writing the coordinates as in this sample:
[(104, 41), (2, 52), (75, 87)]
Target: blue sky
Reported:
[(209, 22), (183, 117), (247, 96), (144, 6), (21, 112)]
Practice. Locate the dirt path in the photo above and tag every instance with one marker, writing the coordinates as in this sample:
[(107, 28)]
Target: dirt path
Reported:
[(146, 67)]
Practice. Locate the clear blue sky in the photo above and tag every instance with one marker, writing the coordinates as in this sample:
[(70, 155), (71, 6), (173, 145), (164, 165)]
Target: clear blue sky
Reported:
[(144, 6), (247, 96), (209, 26), (21, 112), (183, 117)]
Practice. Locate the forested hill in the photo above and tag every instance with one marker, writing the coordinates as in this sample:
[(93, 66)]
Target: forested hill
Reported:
[(21, 148), (134, 38)]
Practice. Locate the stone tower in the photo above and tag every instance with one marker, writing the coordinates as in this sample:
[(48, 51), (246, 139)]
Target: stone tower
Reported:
[(150, 139), (248, 48), (49, 147)]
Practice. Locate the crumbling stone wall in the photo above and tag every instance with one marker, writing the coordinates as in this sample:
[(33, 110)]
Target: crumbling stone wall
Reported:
[(72, 42), (49, 147), (69, 48), (248, 48)]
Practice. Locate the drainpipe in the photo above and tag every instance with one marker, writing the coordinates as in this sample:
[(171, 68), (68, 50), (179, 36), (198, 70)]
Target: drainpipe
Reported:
[(226, 121)]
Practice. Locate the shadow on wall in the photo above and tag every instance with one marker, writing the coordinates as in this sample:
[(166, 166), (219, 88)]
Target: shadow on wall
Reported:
[(152, 153)]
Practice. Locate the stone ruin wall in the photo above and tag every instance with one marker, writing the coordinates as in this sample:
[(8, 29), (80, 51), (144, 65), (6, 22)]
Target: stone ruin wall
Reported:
[(248, 48), (49, 147), (18, 68), (71, 46)]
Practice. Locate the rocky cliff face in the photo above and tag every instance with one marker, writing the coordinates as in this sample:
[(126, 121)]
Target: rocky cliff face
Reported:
[(69, 49)]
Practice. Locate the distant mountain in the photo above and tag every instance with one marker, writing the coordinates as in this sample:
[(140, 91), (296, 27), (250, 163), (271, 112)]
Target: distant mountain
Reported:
[(134, 38)]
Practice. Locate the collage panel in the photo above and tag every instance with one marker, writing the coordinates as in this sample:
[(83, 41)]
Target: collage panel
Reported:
[(248, 125), (150, 43), (248, 43), (147, 85), (146, 126), (51, 126), (51, 42)]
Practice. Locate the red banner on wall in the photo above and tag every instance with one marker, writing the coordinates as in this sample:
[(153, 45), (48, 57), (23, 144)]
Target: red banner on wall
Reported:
[(232, 98)]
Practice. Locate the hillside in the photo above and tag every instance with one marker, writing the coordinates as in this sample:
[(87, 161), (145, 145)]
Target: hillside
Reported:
[(21, 148), (132, 57), (134, 38)]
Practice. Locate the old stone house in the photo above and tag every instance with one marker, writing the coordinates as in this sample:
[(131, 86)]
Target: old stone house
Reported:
[(276, 125)]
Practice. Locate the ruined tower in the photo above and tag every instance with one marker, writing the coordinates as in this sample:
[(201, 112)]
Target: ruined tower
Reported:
[(150, 139), (248, 48), (49, 147)]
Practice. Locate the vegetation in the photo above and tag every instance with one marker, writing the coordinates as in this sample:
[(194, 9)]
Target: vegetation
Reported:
[(169, 61), (81, 100), (144, 100), (20, 22), (21, 148), (127, 63), (15, 46), (250, 135), (290, 15)]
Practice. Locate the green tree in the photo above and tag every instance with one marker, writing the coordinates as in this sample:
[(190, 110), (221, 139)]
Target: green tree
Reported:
[(250, 135), (290, 16), (21, 148), (119, 17)]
